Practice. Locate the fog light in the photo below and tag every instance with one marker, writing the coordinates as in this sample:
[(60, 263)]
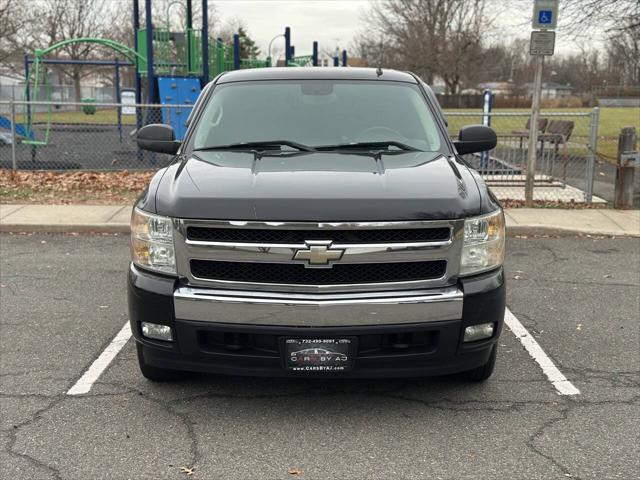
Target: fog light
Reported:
[(159, 332), (478, 332)]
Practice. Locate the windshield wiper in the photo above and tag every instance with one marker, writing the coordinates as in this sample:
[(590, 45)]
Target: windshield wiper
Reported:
[(385, 144), (258, 145)]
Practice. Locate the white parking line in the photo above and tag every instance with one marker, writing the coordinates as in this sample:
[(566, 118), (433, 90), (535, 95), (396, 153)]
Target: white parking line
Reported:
[(86, 381), (555, 376)]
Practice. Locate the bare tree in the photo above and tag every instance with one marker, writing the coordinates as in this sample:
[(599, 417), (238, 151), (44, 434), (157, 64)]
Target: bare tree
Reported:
[(172, 15), (584, 16), (71, 19), (11, 24), (429, 37), (376, 52), (623, 51), (462, 49)]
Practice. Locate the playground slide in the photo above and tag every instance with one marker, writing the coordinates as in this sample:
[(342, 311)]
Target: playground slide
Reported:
[(21, 130)]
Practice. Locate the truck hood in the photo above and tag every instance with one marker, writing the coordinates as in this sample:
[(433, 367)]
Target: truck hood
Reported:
[(322, 186)]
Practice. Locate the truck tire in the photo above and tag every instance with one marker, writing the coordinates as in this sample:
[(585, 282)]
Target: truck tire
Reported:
[(483, 372), (156, 374)]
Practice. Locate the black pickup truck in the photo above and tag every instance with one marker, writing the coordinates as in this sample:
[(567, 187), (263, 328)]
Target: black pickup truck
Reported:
[(317, 222)]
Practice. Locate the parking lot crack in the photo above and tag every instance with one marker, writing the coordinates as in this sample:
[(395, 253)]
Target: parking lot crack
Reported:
[(620, 379), (13, 436), (530, 443), (555, 259), (26, 395), (183, 417), (470, 405), (586, 282)]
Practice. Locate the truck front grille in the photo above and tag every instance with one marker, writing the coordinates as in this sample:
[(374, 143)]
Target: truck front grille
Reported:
[(297, 274), (364, 236), (273, 256)]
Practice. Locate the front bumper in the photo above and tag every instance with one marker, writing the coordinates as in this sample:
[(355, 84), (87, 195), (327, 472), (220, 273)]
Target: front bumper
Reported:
[(412, 333)]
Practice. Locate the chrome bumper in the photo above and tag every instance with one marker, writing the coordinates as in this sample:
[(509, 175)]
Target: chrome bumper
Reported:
[(318, 310)]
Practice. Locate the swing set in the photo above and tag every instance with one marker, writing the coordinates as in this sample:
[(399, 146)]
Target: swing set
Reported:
[(36, 83)]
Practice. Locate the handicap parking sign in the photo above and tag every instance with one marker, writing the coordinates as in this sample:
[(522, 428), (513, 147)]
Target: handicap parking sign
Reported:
[(545, 14), (545, 17)]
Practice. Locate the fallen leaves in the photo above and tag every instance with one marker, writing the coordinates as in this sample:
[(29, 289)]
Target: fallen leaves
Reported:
[(188, 471), (114, 187), (552, 204), (296, 472)]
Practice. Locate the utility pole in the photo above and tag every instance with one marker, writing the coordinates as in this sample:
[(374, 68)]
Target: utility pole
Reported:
[(545, 18)]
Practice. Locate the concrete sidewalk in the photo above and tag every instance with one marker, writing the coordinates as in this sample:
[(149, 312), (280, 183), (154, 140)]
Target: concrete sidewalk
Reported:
[(115, 219)]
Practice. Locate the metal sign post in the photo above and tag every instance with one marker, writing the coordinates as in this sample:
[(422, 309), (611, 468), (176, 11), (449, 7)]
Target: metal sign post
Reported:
[(533, 132), (545, 16)]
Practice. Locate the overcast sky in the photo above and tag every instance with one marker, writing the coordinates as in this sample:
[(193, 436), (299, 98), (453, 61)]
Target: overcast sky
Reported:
[(330, 22), (335, 22)]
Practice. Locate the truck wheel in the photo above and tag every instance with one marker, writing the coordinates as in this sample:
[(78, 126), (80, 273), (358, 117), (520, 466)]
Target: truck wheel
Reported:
[(483, 372), (156, 374)]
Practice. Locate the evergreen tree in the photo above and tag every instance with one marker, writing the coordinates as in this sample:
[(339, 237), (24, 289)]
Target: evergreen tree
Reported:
[(248, 47)]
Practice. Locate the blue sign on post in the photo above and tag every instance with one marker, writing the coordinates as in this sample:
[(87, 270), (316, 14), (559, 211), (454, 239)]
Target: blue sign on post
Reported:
[(545, 14), (545, 17)]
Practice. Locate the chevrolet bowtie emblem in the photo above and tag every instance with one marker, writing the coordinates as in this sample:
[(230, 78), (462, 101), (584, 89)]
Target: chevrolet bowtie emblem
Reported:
[(318, 254)]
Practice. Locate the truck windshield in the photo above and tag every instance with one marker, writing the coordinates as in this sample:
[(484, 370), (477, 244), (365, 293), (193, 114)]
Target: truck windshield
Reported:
[(318, 114)]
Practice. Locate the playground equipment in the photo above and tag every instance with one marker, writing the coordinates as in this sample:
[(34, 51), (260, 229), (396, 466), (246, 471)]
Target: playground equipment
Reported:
[(36, 79), (21, 130), (173, 65), (291, 60)]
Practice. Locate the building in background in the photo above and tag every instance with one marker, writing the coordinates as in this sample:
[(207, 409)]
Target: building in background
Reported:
[(552, 90)]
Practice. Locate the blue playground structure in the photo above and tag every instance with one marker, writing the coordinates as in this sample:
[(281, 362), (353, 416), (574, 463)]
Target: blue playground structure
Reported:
[(177, 91), (21, 130)]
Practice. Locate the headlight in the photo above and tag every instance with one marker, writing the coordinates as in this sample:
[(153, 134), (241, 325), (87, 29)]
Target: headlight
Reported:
[(152, 242), (483, 247)]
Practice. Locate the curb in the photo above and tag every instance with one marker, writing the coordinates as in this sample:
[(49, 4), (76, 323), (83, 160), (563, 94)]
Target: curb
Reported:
[(123, 228), (531, 230), (64, 228)]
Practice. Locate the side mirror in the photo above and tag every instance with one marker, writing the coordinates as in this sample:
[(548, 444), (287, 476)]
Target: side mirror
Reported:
[(475, 138), (158, 137)]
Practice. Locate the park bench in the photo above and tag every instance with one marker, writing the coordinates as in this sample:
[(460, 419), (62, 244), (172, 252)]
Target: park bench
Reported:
[(522, 134), (557, 134)]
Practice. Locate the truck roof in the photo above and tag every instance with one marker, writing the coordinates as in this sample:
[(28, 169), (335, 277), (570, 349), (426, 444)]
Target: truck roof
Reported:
[(315, 73)]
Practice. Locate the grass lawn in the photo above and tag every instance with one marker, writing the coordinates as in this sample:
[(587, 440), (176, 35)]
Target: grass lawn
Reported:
[(611, 122), (102, 116)]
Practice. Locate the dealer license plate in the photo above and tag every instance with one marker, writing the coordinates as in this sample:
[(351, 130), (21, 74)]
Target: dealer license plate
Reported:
[(318, 354)]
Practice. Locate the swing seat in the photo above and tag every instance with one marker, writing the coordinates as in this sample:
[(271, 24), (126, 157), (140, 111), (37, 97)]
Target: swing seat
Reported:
[(35, 143)]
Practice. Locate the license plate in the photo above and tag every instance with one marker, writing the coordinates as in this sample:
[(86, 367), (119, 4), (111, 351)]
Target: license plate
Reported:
[(318, 354)]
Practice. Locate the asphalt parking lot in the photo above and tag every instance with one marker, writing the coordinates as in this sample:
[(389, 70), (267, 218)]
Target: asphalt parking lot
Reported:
[(63, 300)]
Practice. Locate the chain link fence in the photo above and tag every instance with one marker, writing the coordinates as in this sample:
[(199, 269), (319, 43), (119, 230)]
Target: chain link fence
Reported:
[(101, 137), (61, 94), (565, 159), (80, 136)]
